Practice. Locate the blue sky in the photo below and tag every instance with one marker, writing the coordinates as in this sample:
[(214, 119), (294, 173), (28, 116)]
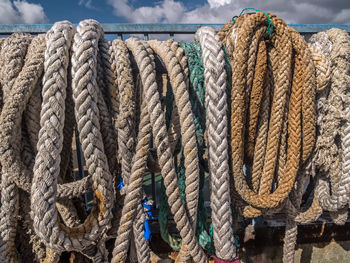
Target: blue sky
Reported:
[(73, 11), (169, 11)]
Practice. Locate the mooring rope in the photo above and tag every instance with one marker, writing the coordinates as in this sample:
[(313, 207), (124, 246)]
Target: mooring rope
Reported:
[(283, 41), (334, 127), (254, 101), (197, 98), (22, 75), (188, 137), (50, 144), (294, 213), (217, 132)]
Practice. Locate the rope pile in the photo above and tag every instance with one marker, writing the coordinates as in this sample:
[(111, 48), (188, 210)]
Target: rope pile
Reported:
[(254, 109)]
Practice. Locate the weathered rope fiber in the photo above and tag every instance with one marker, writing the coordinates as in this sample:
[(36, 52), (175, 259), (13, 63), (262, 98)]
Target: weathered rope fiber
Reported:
[(283, 40), (332, 157), (255, 101), (179, 84), (196, 96), (293, 212), (17, 89), (216, 123), (46, 222)]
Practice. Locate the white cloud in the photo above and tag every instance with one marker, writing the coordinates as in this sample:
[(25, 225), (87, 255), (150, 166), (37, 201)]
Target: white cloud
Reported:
[(21, 12), (166, 11), (88, 4), (220, 11), (217, 3)]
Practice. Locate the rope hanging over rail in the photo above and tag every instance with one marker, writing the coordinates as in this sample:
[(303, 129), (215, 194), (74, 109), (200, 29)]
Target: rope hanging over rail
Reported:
[(254, 111)]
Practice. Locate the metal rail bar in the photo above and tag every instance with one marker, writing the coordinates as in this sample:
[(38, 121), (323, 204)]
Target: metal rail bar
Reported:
[(120, 29)]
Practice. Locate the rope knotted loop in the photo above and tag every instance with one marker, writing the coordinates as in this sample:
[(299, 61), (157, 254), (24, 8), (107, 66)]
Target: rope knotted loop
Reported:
[(47, 163)]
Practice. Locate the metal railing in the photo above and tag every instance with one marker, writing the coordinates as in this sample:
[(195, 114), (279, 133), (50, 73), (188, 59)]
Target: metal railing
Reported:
[(147, 29)]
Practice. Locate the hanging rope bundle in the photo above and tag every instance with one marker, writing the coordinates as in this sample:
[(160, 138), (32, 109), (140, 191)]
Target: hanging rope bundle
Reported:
[(254, 101), (334, 127), (46, 222), (292, 98)]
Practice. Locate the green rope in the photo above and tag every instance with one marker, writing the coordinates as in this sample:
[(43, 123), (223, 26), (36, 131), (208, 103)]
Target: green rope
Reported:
[(269, 23), (197, 98)]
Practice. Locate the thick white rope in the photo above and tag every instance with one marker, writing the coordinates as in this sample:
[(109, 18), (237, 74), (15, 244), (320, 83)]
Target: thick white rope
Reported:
[(217, 130), (333, 160), (84, 61)]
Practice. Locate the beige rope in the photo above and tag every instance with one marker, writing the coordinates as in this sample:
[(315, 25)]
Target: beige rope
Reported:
[(333, 155), (49, 147), (17, 90), (217, 130)]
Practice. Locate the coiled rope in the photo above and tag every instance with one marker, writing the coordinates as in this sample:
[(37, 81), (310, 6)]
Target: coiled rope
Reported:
[(283, 110), (283, 40)]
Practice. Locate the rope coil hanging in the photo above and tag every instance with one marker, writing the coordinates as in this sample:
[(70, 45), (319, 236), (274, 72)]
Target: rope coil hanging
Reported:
[(288, 101), (46, 224), (254, 100)]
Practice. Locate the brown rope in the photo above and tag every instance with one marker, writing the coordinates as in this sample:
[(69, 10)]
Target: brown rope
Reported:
[(291, 110)]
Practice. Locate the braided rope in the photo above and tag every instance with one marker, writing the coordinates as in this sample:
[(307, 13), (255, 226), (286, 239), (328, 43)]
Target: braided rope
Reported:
[(17, 91), (105, 81), (216, 123), (282, 91), (126, 120), (282, 41), (126, 140), (23, 180), (133, 196), (164, 156), (179, 84), (32, 127), (46, 224), (334, 164), (323, 75)]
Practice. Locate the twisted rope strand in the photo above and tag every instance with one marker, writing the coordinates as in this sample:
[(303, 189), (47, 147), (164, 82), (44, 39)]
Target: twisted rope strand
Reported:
[(179, 84)]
